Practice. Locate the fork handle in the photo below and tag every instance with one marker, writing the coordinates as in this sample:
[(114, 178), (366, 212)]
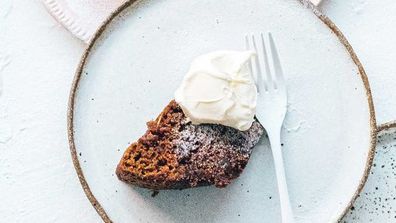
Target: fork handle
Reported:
[(286, 210)]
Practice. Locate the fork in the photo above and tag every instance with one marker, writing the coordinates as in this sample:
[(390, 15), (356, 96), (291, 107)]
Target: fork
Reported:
[(271, 108)]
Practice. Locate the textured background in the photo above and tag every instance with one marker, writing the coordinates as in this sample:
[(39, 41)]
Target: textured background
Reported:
[(37, 62)]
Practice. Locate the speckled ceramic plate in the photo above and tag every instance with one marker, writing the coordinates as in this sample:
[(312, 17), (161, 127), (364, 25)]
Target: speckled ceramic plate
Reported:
[(137, 59), (377, 201)]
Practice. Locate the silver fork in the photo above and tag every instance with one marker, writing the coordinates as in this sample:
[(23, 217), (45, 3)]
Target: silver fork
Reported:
[(271, 108)]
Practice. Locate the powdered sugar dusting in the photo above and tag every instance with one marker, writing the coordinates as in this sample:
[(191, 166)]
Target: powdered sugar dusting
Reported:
[(192, 137)]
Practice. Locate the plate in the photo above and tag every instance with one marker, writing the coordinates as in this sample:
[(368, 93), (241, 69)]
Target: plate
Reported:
[(137, 59), (377, 199)]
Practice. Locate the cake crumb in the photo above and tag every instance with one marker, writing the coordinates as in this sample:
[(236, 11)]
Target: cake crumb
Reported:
[(155, 193)]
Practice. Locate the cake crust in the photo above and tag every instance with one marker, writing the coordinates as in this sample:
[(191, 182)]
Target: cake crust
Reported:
[(175, 154)]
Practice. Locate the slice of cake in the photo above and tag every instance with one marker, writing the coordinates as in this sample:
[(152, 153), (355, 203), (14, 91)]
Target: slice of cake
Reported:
[(175, 154), (206, 135)]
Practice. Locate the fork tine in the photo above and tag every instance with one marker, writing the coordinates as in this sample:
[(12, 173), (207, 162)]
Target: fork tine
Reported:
[(259, 65), (247, 46), (279, 79), (253, 63), (266, 63)]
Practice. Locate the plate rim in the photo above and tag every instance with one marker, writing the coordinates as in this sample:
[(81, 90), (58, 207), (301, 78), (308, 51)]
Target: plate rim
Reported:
[(386, 126), (305, 3)]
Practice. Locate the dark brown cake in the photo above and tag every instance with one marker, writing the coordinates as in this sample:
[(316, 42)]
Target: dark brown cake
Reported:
[(175, 154)]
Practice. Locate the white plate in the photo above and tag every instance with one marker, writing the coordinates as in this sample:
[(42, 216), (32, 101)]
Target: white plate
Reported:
[(131, 69)]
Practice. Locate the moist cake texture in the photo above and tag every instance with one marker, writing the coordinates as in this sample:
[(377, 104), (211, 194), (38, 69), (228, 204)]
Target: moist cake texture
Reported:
[(175, 154)]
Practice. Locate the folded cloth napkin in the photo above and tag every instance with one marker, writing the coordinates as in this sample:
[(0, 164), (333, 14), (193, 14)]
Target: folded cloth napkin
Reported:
[(81, 17)]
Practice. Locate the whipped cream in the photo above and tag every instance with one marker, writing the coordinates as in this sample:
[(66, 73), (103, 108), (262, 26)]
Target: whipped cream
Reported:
[(219, 89)]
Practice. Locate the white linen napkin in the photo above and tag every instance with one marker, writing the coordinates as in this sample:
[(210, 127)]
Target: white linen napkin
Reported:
[(81, 17)]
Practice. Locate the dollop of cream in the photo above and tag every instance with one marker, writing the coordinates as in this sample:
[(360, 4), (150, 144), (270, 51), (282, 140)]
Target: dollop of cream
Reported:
[(219, 89)]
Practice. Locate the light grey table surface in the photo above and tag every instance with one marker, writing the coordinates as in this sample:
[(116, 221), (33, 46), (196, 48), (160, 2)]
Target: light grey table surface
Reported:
[(37, 62)]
